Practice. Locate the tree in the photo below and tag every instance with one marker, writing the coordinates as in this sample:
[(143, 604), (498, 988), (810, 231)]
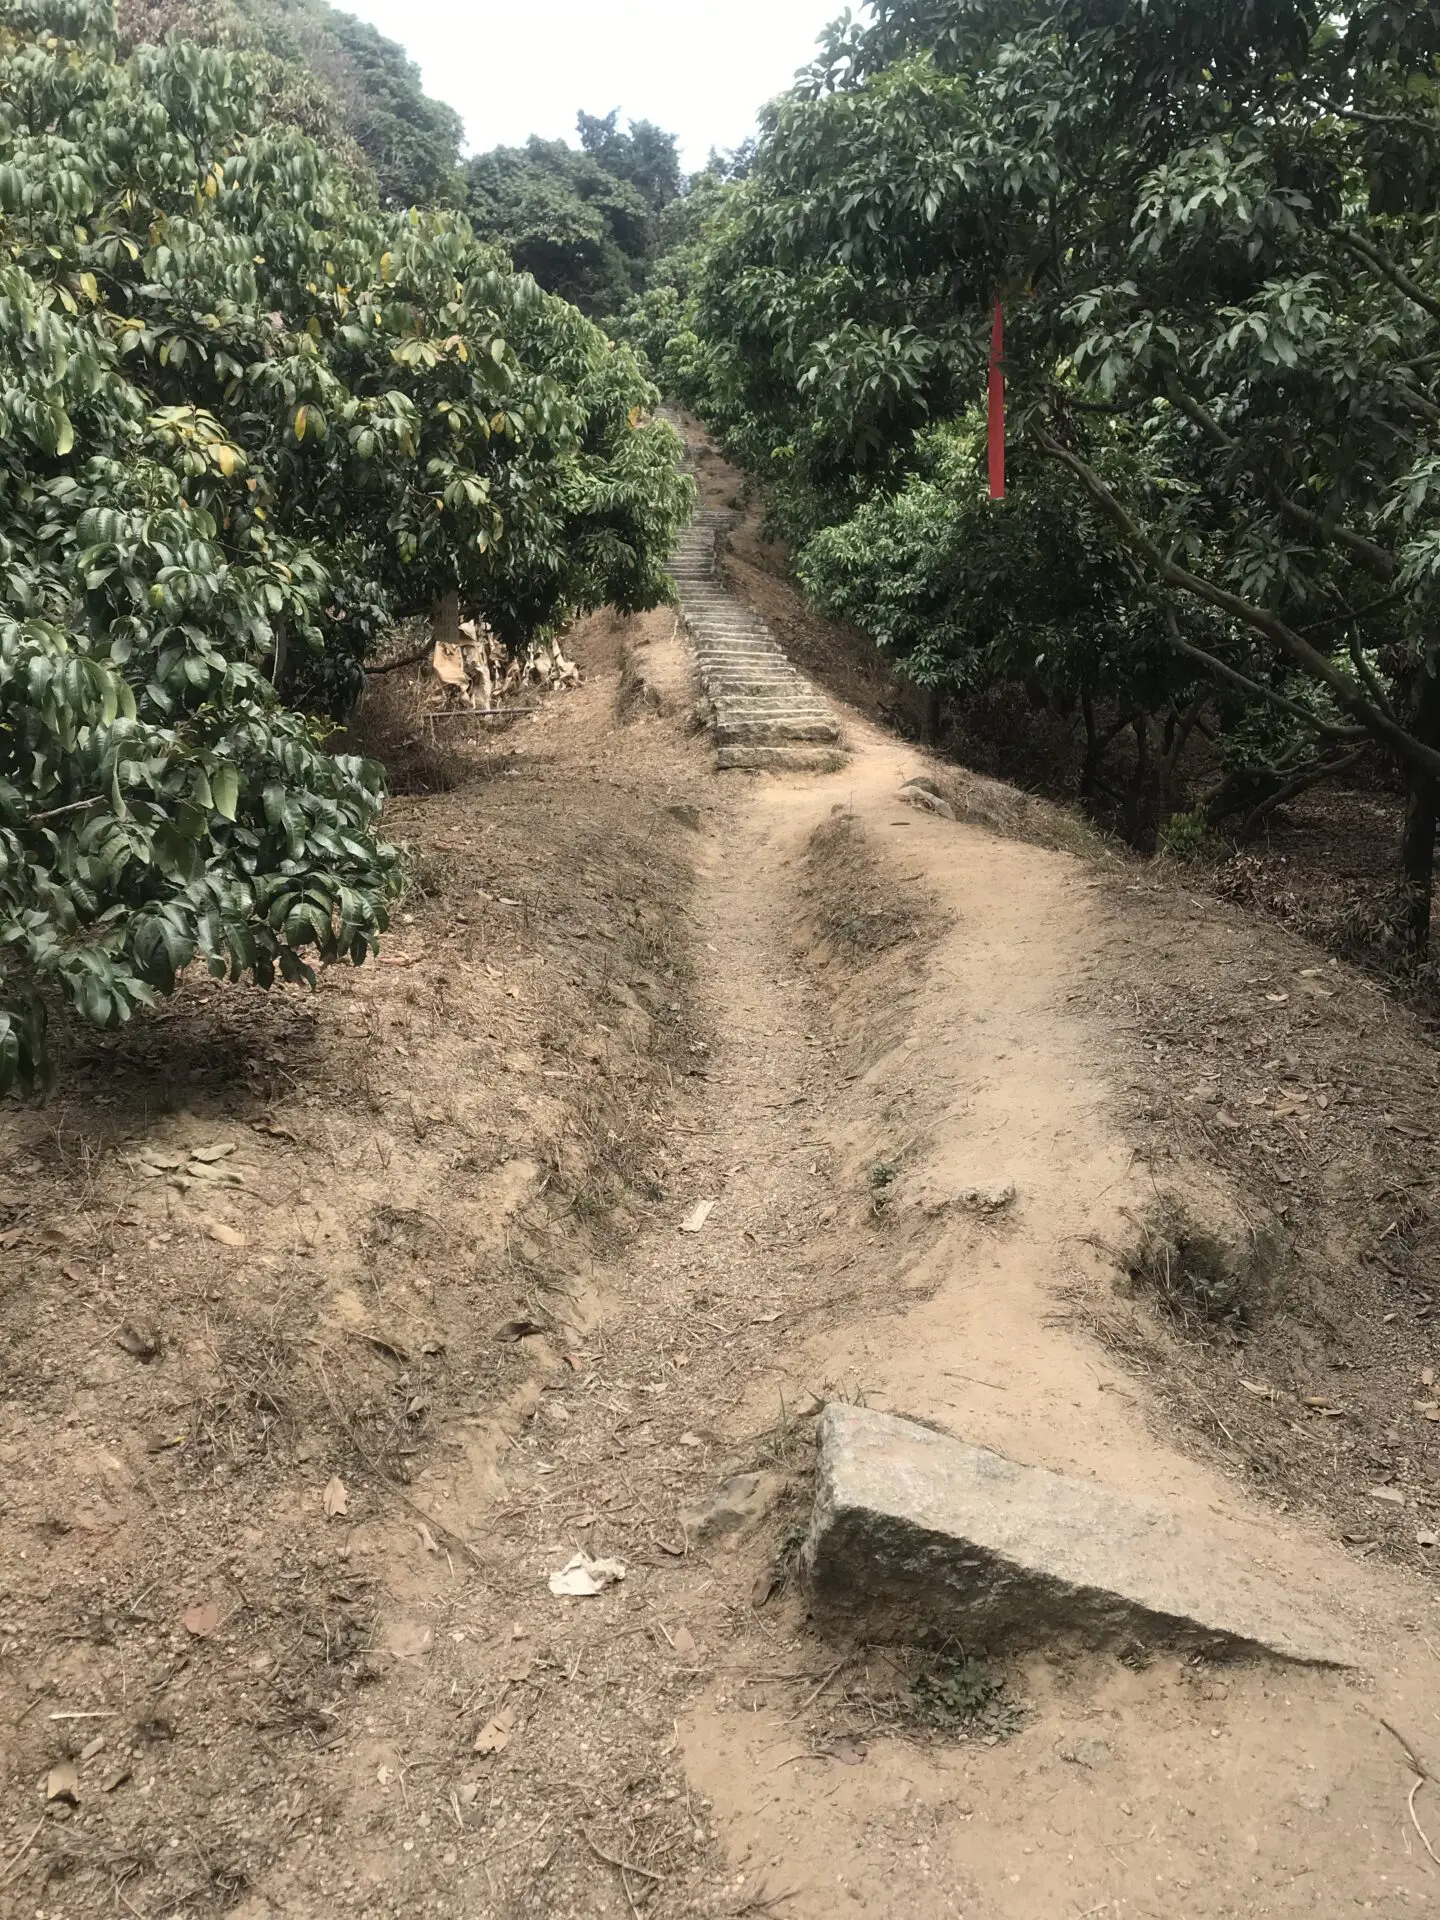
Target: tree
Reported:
[(1213, 227), (332, 76), (587, 224), (244, 417)]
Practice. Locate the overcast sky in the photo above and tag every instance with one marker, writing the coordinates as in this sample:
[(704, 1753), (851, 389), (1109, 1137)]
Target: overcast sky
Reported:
[(510, 68)]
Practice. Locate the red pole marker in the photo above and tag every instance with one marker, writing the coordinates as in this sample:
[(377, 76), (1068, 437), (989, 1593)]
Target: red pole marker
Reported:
[(997, 404)]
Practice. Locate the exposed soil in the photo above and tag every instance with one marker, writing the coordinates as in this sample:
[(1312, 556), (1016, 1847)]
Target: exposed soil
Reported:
[(290, 1457), (1323, 866)]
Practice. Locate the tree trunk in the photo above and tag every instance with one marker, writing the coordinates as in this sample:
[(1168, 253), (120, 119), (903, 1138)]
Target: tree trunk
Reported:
[(1422, 811), (445, 621), (930, 717), (1137, 797), (282, 647)]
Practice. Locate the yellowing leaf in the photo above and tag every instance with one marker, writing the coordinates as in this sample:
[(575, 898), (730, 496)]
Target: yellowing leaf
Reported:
[(302, 415), (225, 456), (494, 1736)]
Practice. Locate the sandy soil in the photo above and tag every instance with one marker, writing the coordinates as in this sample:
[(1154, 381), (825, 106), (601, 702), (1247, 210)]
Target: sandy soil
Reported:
[(289, 1459)]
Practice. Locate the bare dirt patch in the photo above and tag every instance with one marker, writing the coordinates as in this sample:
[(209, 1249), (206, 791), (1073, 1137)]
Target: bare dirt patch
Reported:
[(1288, 1106)]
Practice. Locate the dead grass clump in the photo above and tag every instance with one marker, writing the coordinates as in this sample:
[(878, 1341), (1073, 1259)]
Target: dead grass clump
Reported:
[(1022, 816), (1200, 1279), (391, 726), (858, 907)]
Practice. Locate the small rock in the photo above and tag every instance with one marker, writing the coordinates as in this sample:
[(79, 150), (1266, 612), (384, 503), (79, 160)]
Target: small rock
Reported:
[(141, 1343), (986, 1199), (1084, 1750), (917, 796), (917, 1537), (738, 1505)]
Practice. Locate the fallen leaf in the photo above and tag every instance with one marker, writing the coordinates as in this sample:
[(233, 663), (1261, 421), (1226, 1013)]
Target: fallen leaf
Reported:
[(427, 1538), (408, 1639), (494, 1736), (581, 1577), (575, 1361), (697, 1216), (337, 1500), (1277, 999), (1224, 1119), (227, 1236), (273, 1128), (685, 1643), (468, 1792), (848, 1752), (519, 1330), (201, 1620), (382, 1775), (1426, 1538), (63, 1783), (92, 1747), (1427, 1376), (1391, 1495), (219, 1151), (766, 1582), (162, 1162), (115, 1779), (141, 1343)]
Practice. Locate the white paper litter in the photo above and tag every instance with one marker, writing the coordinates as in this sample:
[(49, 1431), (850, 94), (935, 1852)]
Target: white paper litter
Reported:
[(582, 1577), (696, 1218)]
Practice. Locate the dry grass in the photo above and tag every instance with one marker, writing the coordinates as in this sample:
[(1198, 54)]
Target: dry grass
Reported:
[(857, 906)]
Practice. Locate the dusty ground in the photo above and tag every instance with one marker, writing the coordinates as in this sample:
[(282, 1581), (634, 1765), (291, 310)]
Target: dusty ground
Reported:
[(289, 1458)]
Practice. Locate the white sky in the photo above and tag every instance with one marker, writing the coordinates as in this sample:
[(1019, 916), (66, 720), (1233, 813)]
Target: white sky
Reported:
[(510, 68)]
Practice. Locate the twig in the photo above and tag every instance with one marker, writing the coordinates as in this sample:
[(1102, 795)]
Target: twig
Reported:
[(25, 1847), (623, 1866), (1415, 1763), (430, 1519), (1415, 1821), (816, 1691), (72, 806)]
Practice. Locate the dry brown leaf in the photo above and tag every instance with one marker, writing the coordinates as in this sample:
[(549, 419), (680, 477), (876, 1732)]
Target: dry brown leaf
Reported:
[(63, 1783), (141, 1343), (519, 1330), (218, 1152), (765, 1584), (427, 1538), (337, 1500), (202, 1620), (494, 1736), (227, 1236), (685, 1643)]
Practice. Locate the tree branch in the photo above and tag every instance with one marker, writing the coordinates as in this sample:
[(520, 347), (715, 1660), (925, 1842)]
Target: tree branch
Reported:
[(1256, 689), (1376, 257), (1378, 560), (1412, 751), (1308, 777)]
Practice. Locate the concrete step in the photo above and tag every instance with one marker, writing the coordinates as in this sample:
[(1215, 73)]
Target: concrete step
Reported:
[(781, 759), (759, 731)]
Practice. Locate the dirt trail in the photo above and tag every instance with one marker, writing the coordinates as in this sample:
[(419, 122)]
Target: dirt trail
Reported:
[(1172, 1790), (459, 1281)]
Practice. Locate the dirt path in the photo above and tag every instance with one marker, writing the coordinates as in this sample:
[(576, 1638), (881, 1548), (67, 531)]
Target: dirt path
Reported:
[(1170, 1790), (456, 1280)]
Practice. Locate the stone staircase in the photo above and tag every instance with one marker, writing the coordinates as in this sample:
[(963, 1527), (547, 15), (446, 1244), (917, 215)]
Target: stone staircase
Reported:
[(763, 713)]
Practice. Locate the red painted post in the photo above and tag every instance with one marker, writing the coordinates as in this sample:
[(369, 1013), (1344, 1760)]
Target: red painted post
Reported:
[(997, 405)]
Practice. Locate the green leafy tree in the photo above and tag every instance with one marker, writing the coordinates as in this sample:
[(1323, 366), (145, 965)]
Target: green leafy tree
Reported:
[(588, 223), (1214, 228), (244, 417), (331, 76)]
